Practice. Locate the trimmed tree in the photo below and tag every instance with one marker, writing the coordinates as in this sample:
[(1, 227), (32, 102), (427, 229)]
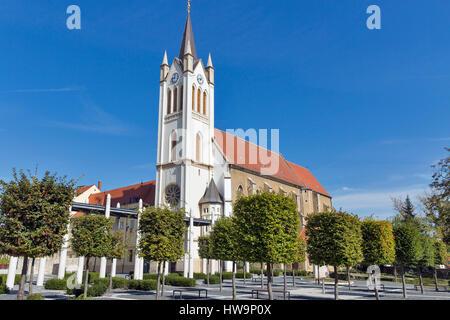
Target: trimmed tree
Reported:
[(162, 236), (408, 247), (34, 214), (205, 252), (334, 238), (268, 228), (300, 256), (378, 244), (91, 238), (440, 258), (116, 250), (225, 245), (427, 260)]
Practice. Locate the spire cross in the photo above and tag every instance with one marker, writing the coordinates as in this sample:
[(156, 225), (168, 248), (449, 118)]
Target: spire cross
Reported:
[(189, 6)]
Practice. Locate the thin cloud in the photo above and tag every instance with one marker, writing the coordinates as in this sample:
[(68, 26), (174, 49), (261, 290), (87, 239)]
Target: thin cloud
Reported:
[(400, 141), (376, 201), (95, 120)]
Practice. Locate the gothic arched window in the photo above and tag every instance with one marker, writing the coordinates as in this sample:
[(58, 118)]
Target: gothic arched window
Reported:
[(193, 98), (181, 97), (169, 101), (204, 103), (199, 99), (175, 100), (240, 191), (173, 146)]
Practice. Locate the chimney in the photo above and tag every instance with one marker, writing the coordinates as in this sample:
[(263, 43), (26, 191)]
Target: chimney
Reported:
[(100, 185)]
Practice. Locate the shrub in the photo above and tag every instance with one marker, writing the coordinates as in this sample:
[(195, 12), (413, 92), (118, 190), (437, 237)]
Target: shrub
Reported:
[(3, 289), (119, 283), (92, 276), (104, 282), (239, 275), (133, 284), (56, 284), (3, 278), (198, 276), (213, 279), (180, 282), (150, 276), (35, 297), (4, 260), (147, 285), (96, 290)]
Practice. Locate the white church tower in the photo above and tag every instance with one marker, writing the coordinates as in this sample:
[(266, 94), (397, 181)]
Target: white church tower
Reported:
[(184, 166)]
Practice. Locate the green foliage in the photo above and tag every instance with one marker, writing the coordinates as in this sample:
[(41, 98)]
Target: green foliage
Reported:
[(239, 275), (162, 234), (35, 297), (437, 204), (56, 284), (4, 260), (268, 227), (408, 246), (276, 273), (198, 276), (440, 253), (428, 251), (3, 289), (224, 240), (334, 238), (213, 279), (205, 247), (92, 276), (96, 290), (142, 285), (91, 236), (378, 244), (104, 281), (119, 283), (34, 214), (3, 278), (180, 282), (300, 254), (116, 247)]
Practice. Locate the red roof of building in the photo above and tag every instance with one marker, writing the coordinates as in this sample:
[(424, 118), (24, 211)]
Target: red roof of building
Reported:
[(127, 195), (250, 156), (80, 190)]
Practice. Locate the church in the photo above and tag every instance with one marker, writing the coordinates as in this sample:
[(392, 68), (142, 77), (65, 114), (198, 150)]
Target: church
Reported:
[(198, 167)]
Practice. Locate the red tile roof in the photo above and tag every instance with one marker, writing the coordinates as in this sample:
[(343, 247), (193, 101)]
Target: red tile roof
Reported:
[(250, 156), (127, 195), (80, 190)]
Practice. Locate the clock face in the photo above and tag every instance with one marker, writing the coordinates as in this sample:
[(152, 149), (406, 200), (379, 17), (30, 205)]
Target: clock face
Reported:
[(175, 78), (200, 79)]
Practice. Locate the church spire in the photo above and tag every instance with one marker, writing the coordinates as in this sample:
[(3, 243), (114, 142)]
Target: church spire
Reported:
[(188, 36)]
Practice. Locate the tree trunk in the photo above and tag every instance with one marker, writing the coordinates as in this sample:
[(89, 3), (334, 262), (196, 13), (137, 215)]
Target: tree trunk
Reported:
[(30, 290), (318, 275), (293, 276), (23, 277), (110, 278), (377, 296), (245, 275), (234, 280), (163, 278), (262, 275), (395, 273), (220, 274), (435, 279), (336, 284), (348, 278), (419, 269), (285, 281), (86, 278), (323, 285), (404, 282), (269, 281), (207, 272), (158, 280)]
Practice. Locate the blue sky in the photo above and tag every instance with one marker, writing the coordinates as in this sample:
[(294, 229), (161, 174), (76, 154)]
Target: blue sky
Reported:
[(367, 111)]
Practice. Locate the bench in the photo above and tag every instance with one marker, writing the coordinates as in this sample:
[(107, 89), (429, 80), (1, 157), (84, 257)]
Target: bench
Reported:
[(181, 291), (417, 286), (257, 291)]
